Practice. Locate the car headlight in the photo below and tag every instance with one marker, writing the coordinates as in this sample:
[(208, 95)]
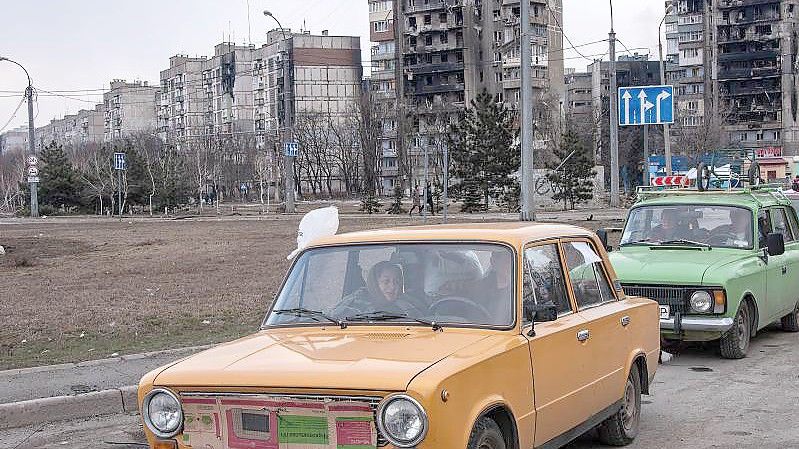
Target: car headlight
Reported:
[(701, 301), (402, 421), (162, 413)]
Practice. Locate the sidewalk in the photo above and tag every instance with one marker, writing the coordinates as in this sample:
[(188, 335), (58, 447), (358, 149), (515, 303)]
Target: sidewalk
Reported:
[(45, 394)]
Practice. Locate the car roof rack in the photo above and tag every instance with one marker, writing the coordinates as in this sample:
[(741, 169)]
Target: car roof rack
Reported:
[(774, 190)]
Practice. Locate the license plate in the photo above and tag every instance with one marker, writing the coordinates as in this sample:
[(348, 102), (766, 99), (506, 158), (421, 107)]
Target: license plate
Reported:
[(665, 312)]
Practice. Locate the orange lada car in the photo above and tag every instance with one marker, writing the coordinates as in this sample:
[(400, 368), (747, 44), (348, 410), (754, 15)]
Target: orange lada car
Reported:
[(491, 336)]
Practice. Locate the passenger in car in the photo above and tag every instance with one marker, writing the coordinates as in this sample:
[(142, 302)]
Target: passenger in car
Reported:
[(384, 292)]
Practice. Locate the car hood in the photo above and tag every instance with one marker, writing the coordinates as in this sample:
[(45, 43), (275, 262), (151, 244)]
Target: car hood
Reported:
[(675, 266), (356, 358)]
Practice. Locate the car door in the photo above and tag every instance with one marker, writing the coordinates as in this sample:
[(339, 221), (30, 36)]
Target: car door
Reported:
[(605, 321), (561, 364), (787, 263), (771, 305)]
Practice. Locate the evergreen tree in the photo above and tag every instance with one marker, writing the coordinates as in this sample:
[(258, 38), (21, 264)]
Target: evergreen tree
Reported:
[(484, 153), (396, 207), (573, 182), (370, 203), (60, 184)]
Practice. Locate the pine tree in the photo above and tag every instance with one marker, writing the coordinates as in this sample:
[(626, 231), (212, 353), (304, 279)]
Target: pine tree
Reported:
[(484, 153), (573, 182), (396, 207), (370, 203), (60, 185)]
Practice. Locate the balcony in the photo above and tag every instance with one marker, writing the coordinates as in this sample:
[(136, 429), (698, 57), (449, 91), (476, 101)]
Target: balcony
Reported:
[(748, 55), (434, 5), (731, 4), (438, 89), (442, 67)]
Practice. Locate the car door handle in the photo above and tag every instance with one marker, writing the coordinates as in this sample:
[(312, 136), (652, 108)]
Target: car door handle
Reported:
[(625, 321), (784, 269), (583, 335)]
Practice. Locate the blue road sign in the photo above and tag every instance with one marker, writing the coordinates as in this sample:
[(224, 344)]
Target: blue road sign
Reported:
[(291, 149), (119, 161), (646, 105)]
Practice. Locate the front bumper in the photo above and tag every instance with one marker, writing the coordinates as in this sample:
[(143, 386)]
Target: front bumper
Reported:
[(697, 324)]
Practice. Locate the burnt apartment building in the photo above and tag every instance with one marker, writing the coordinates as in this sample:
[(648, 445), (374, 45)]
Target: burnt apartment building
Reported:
[(732, 64), (453, 49)]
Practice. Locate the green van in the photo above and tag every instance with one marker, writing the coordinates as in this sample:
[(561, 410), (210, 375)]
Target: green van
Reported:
[(721, 264)]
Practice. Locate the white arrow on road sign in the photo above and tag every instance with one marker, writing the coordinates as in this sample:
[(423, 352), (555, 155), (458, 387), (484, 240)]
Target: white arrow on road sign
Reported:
[(626, 97), (661, 97), (643, 103)]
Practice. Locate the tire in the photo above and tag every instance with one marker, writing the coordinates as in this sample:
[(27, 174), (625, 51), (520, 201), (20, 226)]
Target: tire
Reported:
[(622, 428), (735, 343), (790, 322), (486, 434)]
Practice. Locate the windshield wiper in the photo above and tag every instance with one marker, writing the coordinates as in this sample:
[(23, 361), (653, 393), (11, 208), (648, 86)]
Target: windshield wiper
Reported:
[(639, 242), (385, 316), (313, 314), (685, 242)]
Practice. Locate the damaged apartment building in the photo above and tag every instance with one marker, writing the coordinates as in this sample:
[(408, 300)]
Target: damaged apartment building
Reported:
[(448, 51), (734, 70)]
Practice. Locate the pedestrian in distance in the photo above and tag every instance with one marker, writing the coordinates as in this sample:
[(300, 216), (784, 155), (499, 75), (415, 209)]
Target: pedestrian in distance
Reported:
[(417, 201), (795, 184), (430, 200)]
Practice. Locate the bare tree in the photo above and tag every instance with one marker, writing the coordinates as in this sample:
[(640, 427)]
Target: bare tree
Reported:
[(12, 174)]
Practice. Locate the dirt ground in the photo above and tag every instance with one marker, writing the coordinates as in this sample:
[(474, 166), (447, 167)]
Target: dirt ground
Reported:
[(73, 290)]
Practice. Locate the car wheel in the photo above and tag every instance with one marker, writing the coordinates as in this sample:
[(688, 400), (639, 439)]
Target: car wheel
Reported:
[(622, 428), (790, 322), (486, 434), (735, 343)]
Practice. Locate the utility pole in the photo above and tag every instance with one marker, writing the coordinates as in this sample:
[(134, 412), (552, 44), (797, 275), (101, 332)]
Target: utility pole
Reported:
[(446, 180), (288, 118), (666, 127), (527, 164), (614, 117), (645, 169)]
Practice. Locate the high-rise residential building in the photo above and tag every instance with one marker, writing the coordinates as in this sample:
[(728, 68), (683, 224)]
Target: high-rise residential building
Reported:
[(14, 140), (87, 125), (733, 74), (383, 86), (454, 49), (129, 108), (182, 107), (227, 83)]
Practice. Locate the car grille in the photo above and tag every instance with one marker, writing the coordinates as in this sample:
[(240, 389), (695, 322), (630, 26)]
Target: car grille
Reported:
[(373, 401), (672, 296)]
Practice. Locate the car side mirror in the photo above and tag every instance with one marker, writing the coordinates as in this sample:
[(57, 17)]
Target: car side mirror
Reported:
[(603, 237), (776, 244), (540, 313)]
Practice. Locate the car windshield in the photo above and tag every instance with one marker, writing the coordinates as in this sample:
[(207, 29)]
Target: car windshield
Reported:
[(692, 225), (461, 284)]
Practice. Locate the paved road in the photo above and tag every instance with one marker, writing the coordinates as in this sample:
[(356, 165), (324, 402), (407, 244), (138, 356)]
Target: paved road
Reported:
[(699, 401)]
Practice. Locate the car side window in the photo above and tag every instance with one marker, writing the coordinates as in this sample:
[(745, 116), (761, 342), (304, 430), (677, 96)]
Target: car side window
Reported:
[(764, 227), (780, 223), (794, 223), (543, 278), (587, 275)]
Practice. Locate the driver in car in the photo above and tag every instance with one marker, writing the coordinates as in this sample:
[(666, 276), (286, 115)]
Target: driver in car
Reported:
[(384, 292), (669, 228), (449, 281), (738, 231)]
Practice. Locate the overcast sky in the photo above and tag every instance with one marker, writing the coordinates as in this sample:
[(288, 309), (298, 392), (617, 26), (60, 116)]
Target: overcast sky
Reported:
[(82, 45)]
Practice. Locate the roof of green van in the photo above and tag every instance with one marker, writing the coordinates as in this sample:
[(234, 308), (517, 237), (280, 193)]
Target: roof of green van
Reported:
[(743, 197)]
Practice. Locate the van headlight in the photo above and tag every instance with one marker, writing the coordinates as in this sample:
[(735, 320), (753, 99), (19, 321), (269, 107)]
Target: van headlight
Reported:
[(402, 421), (162, 413), (701, 301)]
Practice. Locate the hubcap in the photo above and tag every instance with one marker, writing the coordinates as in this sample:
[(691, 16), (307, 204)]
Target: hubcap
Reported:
[(630, 409)]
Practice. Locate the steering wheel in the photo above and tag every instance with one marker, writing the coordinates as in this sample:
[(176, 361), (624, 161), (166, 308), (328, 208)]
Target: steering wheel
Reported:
[(721, 238), (459, 302)]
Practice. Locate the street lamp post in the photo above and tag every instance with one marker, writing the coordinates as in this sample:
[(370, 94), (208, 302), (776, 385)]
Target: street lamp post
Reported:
[(666, 127), (288, 125), (614, 117), (34, 186)]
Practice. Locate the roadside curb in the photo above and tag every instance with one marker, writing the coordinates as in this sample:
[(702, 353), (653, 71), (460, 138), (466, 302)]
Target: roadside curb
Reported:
[(63, 366), (58, 408)]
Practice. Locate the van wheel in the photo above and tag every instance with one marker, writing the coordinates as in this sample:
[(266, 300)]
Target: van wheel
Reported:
[(790, 322), (622, 428), (486, 434), (735, 343)]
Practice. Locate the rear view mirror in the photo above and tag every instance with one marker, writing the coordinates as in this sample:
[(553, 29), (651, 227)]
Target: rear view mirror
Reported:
[(540, 313), (776, 244), (603, 237)]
